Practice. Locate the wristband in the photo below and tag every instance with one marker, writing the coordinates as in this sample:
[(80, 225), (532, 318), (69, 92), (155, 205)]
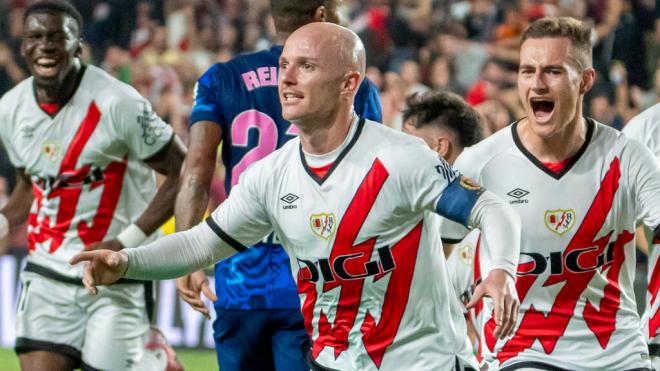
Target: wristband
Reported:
[(4, 226), (132, 236)]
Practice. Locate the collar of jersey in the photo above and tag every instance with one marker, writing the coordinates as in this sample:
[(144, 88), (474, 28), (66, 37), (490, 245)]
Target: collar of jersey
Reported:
[(516, 139), (79, 79), (344, 152)]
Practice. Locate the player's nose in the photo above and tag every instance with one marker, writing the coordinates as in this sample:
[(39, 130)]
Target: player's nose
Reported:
[(538, 81), (287, 76)]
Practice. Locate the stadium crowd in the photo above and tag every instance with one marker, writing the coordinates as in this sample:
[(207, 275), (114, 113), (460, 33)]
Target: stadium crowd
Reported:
[(161, 47)]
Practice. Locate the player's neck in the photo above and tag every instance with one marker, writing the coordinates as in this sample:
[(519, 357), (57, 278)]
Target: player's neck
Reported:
[(321, 139), (559, 147), (63, 90)]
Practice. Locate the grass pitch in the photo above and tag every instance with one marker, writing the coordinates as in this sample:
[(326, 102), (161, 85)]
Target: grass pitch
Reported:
[(193, 360)]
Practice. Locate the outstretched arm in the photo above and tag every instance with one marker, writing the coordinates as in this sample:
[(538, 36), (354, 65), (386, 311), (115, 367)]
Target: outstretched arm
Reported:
[(166, 258)]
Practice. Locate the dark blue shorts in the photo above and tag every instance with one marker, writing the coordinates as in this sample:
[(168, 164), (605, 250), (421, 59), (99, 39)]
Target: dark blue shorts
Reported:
[(273, 339)]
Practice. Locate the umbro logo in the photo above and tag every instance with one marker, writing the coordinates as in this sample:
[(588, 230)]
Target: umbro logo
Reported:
[(289, 199), (518, 194)]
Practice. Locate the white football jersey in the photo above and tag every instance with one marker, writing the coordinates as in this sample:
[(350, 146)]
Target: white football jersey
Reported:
[(465, 265), (84, 162), (371, 273), (577, 260), (645, 128)]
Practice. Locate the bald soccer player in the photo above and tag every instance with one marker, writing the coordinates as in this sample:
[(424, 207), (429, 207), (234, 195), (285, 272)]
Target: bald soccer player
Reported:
[(371, 275), (258, 325)]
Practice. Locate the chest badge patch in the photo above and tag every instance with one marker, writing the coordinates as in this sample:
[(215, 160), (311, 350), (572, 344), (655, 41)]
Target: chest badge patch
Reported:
[(560, 221), (467, 254), (52, 151), (323, 225)]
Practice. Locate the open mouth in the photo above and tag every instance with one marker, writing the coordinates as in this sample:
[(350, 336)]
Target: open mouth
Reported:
[(46, 66), (291, 97), (542, 108)]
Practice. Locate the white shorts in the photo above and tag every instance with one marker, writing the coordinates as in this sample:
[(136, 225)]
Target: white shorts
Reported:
[(106, 331)]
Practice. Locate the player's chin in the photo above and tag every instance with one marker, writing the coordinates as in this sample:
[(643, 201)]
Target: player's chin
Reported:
[(46, 79), (543, 129), (291, 113)]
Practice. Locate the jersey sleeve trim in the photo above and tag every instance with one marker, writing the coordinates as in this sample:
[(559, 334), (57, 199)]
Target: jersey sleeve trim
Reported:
[(224, 236), (203, 116), (161, 150), (458, 199), (451, 241), (161, 154)]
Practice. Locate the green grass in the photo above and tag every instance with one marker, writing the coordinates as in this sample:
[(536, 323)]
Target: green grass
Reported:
[(193, 360)]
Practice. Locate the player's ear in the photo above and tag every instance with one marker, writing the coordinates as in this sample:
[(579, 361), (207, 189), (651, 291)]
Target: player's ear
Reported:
[(351, 82), (588, 79), (320, 14), (442, 146), (79, 48)]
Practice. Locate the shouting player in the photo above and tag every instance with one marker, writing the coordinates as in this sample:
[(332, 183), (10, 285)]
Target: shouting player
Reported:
[(79, 140), (448, 125), (579, 187), (347, 200), (645, 128), (258, 324)]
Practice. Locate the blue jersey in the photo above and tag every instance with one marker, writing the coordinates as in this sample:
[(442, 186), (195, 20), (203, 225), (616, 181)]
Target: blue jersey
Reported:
[(241, 96)]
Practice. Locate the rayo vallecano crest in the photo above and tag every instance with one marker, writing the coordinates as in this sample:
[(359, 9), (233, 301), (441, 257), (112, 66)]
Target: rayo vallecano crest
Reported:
[(52, 150), (323, 225), (560, 221)]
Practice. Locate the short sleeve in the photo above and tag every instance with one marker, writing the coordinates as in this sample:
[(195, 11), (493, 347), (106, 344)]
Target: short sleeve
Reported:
[(367, 102), (7, 146), (206, 98), (644, 181), (242, 220), (7, 125), (143, 132)]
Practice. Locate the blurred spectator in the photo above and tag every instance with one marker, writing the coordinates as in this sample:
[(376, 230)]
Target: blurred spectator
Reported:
[(495, 116), (411, 78), (408, 24), (376, 77), (442, 74), (601, 103), (10, 72), (392, 99), (628, 44)]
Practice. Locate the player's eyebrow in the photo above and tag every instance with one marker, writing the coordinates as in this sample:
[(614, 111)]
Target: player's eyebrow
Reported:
[(307, 60), (544, 68)]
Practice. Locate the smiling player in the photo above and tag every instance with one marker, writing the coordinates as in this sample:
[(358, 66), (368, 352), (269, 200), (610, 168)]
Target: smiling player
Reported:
[(84, 145)]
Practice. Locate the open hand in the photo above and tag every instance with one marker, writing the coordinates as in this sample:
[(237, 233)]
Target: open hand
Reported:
[(500, 287), (103, 267), (190, 287)]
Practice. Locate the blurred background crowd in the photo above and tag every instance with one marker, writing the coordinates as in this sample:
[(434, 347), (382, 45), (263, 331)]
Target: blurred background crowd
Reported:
[(469, 47)]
